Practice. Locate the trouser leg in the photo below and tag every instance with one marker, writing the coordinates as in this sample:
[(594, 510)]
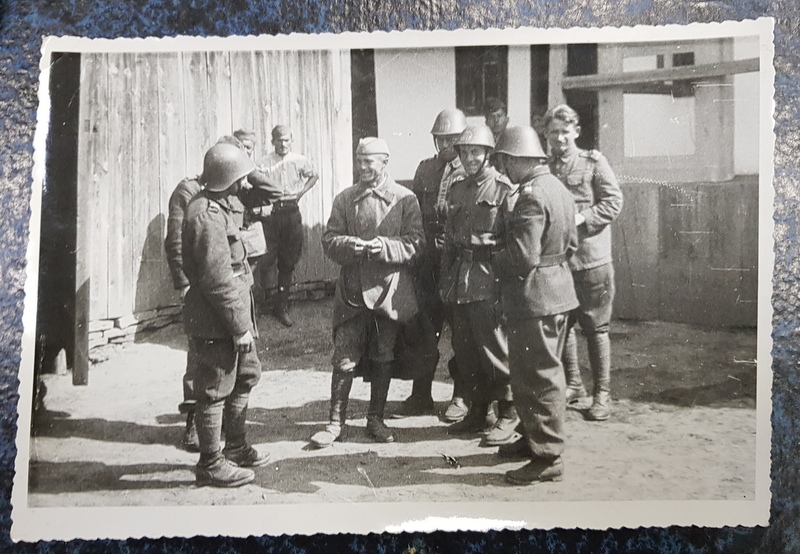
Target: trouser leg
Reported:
[(537, 378), (208, 418)]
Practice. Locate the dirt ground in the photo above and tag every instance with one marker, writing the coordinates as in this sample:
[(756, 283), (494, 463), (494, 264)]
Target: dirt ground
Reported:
[(683, 427)]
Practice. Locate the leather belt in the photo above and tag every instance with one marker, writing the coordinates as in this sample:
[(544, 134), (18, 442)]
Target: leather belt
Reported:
[(550, 260), (284, 204)]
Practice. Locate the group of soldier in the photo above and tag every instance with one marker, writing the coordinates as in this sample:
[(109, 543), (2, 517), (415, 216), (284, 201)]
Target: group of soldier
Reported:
[(508, 245)]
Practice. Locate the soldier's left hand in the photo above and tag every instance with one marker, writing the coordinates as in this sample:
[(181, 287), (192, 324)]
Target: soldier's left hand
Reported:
[(374, 246), (244, 343)]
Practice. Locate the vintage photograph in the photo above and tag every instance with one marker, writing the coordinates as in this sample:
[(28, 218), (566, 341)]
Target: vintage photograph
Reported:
[(349, 283)]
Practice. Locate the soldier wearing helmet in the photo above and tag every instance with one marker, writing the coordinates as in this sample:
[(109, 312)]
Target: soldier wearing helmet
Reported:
[(375, 234), (432, 180), (469, 288), (539, 237), (598, 201), (219, 321)]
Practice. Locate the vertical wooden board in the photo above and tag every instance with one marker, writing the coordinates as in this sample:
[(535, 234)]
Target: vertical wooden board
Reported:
[(678, 213), (118, 248), (219, 94), (343, 165), (197, 137), (748, 284), (244, 102), (263, 81), (171, 141), (636, 253), (93, 180), (152, 287)]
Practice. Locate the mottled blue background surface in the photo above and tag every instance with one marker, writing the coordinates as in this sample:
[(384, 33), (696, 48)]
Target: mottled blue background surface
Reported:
[(23, 25)]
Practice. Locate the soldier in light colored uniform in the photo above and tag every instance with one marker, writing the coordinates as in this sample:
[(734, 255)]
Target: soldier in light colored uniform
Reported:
[(539, 237), (219, 319), (468, 286), (432, 180), (598, 200), (375, 234), (283, 226)]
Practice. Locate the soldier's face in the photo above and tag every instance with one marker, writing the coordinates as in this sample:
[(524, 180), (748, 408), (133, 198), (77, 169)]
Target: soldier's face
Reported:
[(472, 157), (248, 146), (496, 121), (561, 136), (282, 144), (511, 167), (370, 166), (444, 146)]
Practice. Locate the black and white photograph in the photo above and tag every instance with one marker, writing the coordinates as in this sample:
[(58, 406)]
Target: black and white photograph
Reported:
[(357, 283)]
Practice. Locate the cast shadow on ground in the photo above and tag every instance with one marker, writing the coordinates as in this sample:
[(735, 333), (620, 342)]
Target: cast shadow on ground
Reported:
[(263, 426), (85, 476)]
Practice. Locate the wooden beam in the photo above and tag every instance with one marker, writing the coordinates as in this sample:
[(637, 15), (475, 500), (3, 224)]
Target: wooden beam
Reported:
[(691, 72)]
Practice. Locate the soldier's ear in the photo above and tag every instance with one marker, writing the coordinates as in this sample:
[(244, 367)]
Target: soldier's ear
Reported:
[(577, 130)]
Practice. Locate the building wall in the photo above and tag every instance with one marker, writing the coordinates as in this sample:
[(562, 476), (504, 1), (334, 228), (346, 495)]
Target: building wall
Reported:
[(146, 121), (745, 110), (411, 87)]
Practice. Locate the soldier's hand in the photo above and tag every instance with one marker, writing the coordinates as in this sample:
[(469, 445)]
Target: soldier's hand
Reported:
[(374, 246), (359, 246), (244, 343)]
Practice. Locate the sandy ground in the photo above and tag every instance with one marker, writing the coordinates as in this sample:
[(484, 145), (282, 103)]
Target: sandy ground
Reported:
[(683, 427)]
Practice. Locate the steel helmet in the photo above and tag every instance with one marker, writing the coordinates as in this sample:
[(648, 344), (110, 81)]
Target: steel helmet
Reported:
[(223, 165), (476, 135), (520, 142), (449, 122), (372, 145)]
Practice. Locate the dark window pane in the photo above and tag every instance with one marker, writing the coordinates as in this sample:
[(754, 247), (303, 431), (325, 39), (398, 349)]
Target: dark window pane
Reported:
[(581, 59), (481, 72), (685, 58)]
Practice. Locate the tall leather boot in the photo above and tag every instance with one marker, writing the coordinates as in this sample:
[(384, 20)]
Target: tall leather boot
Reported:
[(379, 391), (600, 360), (572, 371), (421, 400), (237, 449), (341, 383)]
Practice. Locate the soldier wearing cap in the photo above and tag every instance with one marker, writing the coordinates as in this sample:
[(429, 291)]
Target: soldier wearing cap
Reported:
[(219, 319), (469, 287), (598, 201), (283, 227), (431, 182), (375, 234), (537, 292)]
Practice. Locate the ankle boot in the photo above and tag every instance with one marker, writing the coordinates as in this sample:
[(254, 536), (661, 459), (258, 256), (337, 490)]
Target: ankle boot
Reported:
[(504, 430), (600, 359), (379, 391), (190, 441), (575, 389), (282, 307), (341, 383)]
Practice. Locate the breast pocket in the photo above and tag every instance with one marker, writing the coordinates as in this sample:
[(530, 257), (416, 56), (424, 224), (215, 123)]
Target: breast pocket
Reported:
[(486, 216), (580, 185)]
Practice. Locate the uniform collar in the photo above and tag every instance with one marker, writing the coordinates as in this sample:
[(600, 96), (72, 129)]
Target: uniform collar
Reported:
[(566, 156), (381, 190)]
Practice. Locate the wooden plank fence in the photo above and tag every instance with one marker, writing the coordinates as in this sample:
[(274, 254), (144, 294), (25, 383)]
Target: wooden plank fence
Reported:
[(146, 120)]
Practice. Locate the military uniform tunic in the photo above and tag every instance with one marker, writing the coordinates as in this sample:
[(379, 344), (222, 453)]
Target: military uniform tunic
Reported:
[(219, 302), (374, 292), (468, 284), (538, 227)]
